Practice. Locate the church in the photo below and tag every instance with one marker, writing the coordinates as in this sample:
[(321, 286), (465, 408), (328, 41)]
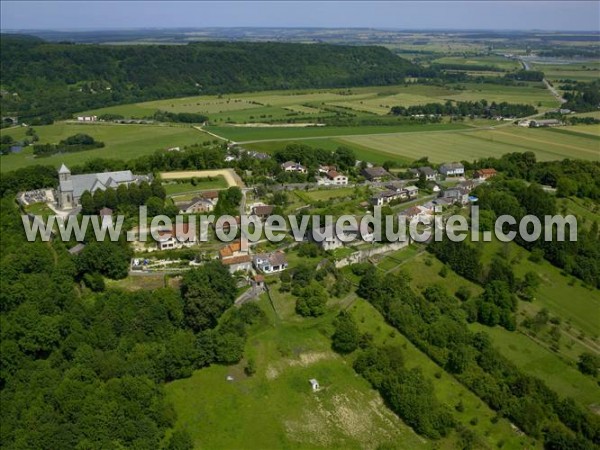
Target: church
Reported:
[(71, 187)]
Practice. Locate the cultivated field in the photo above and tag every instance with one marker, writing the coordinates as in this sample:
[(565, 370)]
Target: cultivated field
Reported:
[(472, 144)]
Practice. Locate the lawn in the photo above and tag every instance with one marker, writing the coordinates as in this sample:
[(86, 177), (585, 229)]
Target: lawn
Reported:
[(187, 187), (123, 142), (330, 193)]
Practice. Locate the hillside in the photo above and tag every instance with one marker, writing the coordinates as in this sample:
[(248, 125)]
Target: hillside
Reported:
[(59, 79)]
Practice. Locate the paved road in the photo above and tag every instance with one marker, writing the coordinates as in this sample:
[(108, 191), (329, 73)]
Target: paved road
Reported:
[(551, 88)]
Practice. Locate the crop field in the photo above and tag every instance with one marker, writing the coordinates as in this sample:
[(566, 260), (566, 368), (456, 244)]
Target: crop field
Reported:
[(580, 71), (472, 144), (251, 134), (284, 105), (122, 142), (476, 60)]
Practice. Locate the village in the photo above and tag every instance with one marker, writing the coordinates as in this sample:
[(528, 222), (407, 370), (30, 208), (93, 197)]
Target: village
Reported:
[(412, 195)]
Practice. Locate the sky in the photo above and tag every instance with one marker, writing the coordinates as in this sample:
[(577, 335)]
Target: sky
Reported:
[(482, 15)]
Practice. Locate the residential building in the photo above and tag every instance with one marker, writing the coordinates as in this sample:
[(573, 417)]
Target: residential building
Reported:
[(197, 205), (333, 178), (263, 211), (453, 169), (270, 262), (411, 191), (176, 237), (235, 257), (427, 172), (375, 173), (71, 187), (457, 195), (484, 174), (291, 166)]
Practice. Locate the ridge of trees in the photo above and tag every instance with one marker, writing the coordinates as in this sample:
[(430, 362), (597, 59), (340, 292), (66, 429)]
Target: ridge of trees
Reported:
[(435, 322), (55, 80)]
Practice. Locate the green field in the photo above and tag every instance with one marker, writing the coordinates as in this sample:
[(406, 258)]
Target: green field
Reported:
[(122, 142), (173, 188), (311, 104), (477, 60), (571, 303), (278, 401), (585, 71), (346, 413), (451, 146), (251, 134)]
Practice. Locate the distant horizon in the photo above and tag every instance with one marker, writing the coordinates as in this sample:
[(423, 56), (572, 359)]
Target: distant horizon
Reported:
[(70, 16), (189, 28)]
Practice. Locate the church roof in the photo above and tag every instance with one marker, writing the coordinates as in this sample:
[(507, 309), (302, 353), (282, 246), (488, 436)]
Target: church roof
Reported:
[(63, 169)]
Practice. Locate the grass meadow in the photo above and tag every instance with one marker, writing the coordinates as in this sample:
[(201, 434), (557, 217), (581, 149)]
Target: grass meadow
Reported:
[(573, 303), (121, 142)]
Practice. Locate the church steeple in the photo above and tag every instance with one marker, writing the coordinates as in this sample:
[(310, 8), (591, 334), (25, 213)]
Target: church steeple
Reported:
[(64, 173)]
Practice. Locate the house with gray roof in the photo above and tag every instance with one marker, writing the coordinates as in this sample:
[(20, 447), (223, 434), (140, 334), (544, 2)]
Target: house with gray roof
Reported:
[(452, 169), (71, 187)]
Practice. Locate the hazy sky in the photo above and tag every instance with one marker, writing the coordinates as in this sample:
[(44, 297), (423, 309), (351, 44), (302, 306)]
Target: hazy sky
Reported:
[(515, 15)]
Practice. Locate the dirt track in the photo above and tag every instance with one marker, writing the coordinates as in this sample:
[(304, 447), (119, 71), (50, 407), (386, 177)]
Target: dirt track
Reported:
[(230, 176)]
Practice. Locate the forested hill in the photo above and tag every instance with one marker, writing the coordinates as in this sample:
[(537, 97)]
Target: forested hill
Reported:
[(58, 79)]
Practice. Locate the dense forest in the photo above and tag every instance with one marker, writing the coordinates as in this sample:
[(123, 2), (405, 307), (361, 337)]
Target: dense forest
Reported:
[(81, 365), (55, 80)]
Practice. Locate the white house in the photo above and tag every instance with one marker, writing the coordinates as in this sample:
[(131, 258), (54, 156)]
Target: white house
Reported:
[(270, 262), (333, 177), (291, 166), (427, 172), (176, 237), (314, 384), (452, 169)]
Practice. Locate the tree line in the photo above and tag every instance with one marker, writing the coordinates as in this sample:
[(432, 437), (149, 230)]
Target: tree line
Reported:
[(481, 108), (432, 319)]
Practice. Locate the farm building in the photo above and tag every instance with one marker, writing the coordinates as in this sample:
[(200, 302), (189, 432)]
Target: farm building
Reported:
[(545, 123)]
